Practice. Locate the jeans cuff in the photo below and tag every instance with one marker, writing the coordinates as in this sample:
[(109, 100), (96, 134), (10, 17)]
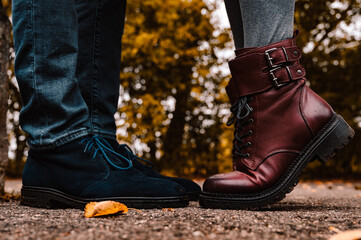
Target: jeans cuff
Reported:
[(103, 133), (61, 140)]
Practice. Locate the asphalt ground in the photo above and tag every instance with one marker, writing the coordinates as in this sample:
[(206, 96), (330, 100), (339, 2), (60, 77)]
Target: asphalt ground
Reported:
[(312, 211)]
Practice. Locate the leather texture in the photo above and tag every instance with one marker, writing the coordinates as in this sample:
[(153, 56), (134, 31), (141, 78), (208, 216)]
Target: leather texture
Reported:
[(285, 118), (253, 66)]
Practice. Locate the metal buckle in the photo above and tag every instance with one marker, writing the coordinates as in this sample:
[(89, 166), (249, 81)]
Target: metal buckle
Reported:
[(269, 58), (275, 67), (274, 79)]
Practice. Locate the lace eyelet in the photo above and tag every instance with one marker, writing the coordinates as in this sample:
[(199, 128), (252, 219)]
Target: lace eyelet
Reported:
[(240, 118)]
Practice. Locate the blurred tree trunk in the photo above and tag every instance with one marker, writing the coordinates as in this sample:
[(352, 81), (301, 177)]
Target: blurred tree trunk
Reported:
[(4, 64), (172, 146)]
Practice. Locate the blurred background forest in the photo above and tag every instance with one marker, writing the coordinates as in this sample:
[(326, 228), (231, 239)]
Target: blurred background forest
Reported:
[(173, 106)]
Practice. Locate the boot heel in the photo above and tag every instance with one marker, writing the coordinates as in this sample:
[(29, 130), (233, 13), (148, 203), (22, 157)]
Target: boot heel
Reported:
[(335, 140), (35, 199)]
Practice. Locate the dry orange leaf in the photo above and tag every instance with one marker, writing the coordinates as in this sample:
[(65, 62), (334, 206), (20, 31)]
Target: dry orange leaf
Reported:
[(135, 210), (168, 209), (95, 209)]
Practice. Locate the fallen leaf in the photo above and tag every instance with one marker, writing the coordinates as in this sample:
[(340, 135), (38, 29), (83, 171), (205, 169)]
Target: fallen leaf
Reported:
[(95, 209), (8, 197), (135, 210), (347, 235), (168, 209)]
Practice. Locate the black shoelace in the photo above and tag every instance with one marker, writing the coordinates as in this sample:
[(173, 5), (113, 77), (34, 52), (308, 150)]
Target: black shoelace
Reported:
[(240, 111)]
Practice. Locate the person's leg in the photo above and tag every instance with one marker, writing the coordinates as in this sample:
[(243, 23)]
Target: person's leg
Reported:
[(98, 73), (280, 124), (46, 47), (75, 168), (267, 21), (101, 25), (260, 22)]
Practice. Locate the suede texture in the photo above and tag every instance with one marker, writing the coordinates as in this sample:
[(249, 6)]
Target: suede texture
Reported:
[(71, 170), (188, 185)]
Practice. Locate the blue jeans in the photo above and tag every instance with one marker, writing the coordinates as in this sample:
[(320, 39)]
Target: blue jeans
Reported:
[(67, 65)]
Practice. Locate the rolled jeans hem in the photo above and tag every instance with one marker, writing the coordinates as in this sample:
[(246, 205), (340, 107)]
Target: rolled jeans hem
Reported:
[(103, 133), (61, 140)]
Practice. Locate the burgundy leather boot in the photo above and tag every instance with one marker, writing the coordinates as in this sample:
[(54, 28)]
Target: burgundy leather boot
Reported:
[(280, 126)]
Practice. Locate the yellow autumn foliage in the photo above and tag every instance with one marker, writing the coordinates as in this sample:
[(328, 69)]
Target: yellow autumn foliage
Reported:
[(168, 50)]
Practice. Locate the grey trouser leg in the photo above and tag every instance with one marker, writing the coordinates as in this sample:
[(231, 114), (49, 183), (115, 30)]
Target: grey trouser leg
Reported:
[(262, 21)]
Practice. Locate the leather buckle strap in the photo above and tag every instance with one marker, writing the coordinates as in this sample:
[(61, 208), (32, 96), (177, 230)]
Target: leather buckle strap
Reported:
[(244, 83), (277, 56), (269, 58), (255, 70), (274, 78), (280, 76)]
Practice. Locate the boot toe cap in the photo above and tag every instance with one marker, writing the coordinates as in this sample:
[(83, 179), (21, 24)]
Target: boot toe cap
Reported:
[(234, 182), (188, 185)]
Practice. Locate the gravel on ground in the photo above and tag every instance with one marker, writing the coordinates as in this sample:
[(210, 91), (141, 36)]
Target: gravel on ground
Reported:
[(311, 211)]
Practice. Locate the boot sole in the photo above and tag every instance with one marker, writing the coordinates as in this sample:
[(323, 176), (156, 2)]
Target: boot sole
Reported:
[(193, 196), (334, 136), (51, 198)]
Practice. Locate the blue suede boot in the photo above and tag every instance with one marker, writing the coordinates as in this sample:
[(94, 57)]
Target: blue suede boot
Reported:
[(192, 188), (88, 170)]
